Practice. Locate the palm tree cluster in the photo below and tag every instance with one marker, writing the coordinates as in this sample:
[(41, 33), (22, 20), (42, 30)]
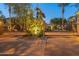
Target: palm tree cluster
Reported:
[(62, 23), (20, 10), (21, 18), (24, 19)]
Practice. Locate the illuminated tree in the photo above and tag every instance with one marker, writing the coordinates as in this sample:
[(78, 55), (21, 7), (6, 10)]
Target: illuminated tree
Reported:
[(36, 26)]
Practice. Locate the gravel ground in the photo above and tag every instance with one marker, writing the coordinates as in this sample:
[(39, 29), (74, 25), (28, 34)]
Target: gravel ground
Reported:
[(45, 46)]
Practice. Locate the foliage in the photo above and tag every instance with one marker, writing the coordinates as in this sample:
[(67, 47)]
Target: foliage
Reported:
[(20, 12), (35, 27), (57, 23), (72, 23)]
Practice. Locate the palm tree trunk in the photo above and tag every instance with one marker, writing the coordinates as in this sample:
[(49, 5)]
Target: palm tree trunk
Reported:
[(10, 29), (62, 17)]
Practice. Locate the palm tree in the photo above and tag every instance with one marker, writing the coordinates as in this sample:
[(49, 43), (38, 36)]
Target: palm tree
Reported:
[(40, 14), (18, 9), (77, 14), (72, 22), (63, 5), (2, 17), (10, 5), (21, 12)]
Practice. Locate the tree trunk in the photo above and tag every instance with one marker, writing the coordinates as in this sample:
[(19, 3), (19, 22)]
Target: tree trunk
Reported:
[(62, 17), (10, 29)]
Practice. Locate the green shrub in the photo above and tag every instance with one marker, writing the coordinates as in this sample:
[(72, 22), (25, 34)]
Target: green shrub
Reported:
[(36, 28)]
